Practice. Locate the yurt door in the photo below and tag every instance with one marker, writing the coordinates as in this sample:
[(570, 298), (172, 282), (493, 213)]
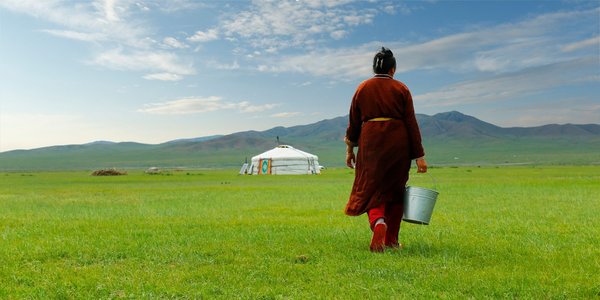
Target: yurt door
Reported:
[(311, 166)]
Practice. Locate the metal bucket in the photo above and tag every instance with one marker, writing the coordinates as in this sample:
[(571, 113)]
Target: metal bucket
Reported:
[(418, 204)]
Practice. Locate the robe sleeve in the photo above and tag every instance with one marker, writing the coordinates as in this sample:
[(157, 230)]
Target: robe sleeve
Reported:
[(354, 120), (414, 134)]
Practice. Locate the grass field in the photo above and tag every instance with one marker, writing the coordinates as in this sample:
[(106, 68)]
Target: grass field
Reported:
[(497, 232)]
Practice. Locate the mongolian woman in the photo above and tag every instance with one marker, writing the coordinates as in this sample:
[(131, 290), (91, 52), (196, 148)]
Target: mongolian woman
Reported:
[(384, 127)]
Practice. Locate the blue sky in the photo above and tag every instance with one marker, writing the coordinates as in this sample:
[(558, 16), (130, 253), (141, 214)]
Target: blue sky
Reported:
[(151, 71)]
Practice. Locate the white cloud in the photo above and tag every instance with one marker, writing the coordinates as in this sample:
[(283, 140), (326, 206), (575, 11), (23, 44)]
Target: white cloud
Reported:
[(110, 10), (498, 49), (595, 41), (163, 77), (248, 108), (286, 114), (349, 63), (285, 24), (338, 34), (201, 105), (72, 16), (108, 19), (142, 6), (165, 62), (186, 106), (75, 35), (511, 85), (201, 36), (490, 63), (174, 43), (389, 9), (394, 7), (109, 24), (325, 3), (224, 66), (173, 6)]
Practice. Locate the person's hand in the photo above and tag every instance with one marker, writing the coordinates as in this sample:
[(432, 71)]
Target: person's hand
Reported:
[(421, 165), (350, 159)]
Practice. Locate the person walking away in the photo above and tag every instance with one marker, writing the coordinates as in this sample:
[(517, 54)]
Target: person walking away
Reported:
[(382, 123)]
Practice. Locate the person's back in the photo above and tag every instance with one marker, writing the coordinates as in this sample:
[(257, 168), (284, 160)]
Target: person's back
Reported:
[(383, 125), (382, 96)]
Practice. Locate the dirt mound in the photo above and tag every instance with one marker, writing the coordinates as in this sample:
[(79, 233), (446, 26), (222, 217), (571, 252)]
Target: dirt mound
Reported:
[(110, 172)]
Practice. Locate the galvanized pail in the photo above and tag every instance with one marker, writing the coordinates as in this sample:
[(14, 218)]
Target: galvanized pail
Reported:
[(418, 204)]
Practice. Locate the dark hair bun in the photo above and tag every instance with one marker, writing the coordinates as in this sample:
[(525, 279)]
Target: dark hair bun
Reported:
[(385, 52), (383, 61)]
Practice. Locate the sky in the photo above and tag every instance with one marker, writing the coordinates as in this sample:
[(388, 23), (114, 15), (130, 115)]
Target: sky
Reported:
[(74, 72)]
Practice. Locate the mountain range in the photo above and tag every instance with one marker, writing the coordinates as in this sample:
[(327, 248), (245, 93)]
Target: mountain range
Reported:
[(450, 138)]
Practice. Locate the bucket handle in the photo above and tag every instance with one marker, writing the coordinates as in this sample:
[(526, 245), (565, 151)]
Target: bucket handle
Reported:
[(433, 180)]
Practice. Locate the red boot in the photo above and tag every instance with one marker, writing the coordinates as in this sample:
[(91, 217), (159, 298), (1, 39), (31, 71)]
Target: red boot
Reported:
[(378, 240)]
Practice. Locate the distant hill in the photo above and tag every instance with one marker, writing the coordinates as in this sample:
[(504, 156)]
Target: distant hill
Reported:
[(450, 138), (456, 124), (197, 139)]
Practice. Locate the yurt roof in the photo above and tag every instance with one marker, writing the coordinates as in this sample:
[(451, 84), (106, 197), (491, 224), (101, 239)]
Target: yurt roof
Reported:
[(284, 152)]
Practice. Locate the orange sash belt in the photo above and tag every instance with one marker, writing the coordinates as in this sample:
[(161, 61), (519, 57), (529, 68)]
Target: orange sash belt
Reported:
[(380, 119)]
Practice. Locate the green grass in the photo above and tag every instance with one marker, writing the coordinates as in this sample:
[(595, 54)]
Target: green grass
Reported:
[(497, 232)]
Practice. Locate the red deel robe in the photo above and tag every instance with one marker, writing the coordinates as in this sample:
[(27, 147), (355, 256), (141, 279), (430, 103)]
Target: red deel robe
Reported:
[(385, 148)]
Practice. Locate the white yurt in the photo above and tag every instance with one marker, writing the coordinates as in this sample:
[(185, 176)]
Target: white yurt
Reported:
[(283, 160)]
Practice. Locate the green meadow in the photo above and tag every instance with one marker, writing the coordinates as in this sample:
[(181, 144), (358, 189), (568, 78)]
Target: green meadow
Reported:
[(528, 232)]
